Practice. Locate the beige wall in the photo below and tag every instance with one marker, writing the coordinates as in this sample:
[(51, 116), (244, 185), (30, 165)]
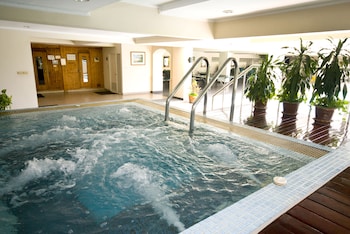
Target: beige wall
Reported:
[(328, 18), (180, 67), (16, 66), (136, 78)]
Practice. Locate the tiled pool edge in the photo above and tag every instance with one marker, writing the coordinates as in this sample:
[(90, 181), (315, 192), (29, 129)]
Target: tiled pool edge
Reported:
[(253, 213)]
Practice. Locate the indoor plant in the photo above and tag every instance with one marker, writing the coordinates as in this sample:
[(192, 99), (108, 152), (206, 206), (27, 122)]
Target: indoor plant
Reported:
[(297, 73), (5, 100), (261, 87), (194, 91), (329, 83), (330, 78)]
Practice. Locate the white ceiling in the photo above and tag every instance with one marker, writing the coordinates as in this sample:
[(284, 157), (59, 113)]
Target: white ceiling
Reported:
[(197, 9)]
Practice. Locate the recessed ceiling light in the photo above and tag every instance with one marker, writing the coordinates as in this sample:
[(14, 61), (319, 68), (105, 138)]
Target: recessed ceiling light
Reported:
[(227, 11), (81, 0)]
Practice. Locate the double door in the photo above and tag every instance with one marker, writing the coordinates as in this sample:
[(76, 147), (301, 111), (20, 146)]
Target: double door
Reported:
[(49, 75)]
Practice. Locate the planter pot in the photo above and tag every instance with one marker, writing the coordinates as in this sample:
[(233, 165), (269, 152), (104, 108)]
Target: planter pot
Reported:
[(259, 110), (322, 123), (258, 119), (191, 98), (323, 115), (290, 110), (289, 117)]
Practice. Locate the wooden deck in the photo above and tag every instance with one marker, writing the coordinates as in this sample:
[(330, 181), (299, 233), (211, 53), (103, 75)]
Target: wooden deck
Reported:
[(325, 211)]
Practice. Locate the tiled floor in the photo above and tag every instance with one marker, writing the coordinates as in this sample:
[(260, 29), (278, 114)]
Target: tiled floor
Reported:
[(78, 97)]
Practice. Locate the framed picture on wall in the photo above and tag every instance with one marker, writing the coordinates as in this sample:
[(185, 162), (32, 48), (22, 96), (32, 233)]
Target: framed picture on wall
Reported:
[(137, 58)]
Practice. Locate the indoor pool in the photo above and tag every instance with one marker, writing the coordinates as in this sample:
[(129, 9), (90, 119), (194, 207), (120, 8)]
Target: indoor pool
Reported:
[(122, 169)]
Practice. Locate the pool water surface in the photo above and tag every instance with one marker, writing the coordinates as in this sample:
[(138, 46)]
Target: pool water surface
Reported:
[(122, 169)]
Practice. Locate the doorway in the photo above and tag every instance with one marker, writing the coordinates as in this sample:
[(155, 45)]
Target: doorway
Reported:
[(114, 64), (161, 78), (40, 70)]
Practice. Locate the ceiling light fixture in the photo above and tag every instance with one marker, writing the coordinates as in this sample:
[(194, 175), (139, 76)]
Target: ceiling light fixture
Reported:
[(81, 0), (178, 4), (227, 11)]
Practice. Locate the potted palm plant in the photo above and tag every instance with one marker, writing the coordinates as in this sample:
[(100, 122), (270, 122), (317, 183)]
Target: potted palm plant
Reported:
[(330, 89), (5, 100), (260, 88), (297, 72)]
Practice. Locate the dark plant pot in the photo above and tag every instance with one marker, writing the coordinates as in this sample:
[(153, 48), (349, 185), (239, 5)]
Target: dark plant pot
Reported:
[(322, 123), (289, 117), (258, 119), (259, 109), (323, 115), (290, 110)]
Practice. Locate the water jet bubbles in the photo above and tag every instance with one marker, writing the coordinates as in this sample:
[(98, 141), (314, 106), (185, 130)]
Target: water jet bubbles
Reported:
[(103, 225), (146, 184)]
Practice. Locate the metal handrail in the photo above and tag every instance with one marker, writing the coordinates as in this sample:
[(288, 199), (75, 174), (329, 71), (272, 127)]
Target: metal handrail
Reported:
[(178, 86), (240, 75), (208, 86)]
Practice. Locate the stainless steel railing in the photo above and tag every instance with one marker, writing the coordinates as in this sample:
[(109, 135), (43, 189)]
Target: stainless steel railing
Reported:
[(182, 81), (208, 86)]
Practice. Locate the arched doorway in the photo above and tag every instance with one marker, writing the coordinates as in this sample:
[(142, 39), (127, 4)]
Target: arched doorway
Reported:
[(161, 77)]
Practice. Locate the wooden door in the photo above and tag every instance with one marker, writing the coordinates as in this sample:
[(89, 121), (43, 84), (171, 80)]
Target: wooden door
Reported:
[(55, 75), (40, 70), (84, 70)]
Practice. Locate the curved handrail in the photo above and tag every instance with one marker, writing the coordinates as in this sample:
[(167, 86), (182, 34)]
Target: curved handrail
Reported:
[(208, 86), (241, 74), (178, 86)]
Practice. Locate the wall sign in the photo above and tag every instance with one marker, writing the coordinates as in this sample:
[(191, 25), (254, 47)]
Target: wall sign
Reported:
[(71, 57)]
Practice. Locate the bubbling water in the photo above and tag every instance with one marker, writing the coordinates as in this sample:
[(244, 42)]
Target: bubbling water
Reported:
[(122, 168), (144, 182), (36, 169)]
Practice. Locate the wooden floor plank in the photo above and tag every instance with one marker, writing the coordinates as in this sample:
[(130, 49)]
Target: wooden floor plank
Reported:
[(294, 225), (316, 221), (340, 197), (331, 203), (342, 180), (276, 228), (347, 170), (338, 187), (326, 213)]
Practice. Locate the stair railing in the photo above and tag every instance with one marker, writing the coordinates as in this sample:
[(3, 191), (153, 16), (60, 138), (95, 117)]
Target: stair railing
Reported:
[(243, 75), (182, 81), (208, 86)]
